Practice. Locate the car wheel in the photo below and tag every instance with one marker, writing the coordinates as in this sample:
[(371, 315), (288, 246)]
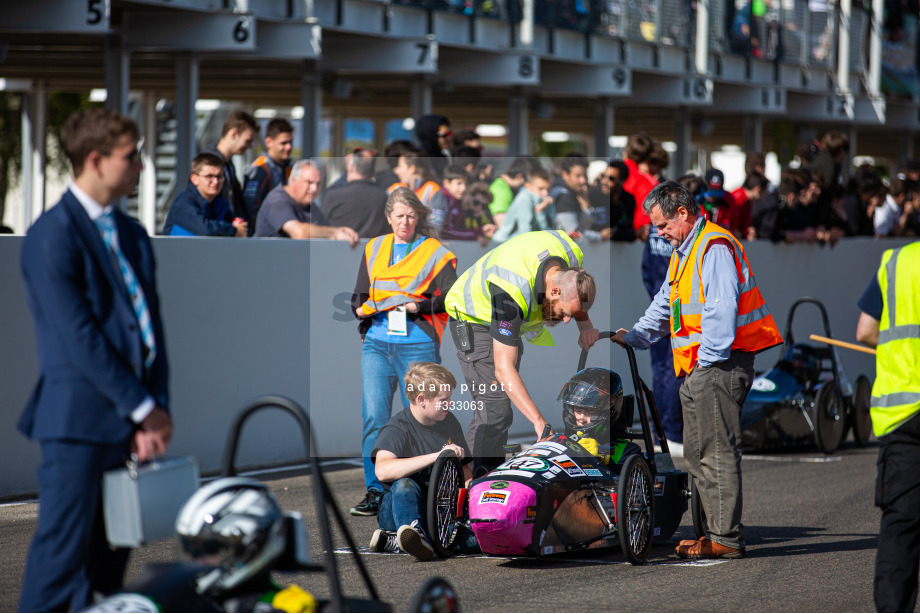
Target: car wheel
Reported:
[(859, 416), (696, 510), (635, 509), (443, 492), (828, 417), (435, 595)]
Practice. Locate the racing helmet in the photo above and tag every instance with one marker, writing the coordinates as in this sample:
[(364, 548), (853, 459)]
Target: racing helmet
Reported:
[(234, 524), (806, 364), (600, 393)]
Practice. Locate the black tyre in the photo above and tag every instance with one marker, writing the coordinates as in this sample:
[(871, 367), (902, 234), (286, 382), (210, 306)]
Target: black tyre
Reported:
[(435, 595), (696, 510), (443, 492), (635, 509), (860, 419), (828, 418)]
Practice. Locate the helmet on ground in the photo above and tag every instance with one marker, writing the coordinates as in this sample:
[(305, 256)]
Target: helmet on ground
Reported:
[(597, 395), (234, 524)]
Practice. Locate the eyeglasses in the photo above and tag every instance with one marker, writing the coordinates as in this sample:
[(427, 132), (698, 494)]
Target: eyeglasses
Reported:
[(445, 135), (210, 178)]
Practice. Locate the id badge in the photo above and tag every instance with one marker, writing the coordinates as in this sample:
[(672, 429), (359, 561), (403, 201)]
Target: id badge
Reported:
[(675, 316), (396, 321)]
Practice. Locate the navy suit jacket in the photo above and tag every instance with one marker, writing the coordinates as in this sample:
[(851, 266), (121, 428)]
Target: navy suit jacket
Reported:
[(89, 344)]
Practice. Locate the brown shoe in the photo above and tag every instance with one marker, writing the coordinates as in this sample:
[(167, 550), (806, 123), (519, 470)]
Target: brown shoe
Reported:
[(690, 542), (707, 549)]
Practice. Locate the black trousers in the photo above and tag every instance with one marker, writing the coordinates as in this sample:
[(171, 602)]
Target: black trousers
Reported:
[(897, 493), (488, 431)]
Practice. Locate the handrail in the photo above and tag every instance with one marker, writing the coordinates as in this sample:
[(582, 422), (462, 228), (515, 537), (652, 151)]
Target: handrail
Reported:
[(321, 491)]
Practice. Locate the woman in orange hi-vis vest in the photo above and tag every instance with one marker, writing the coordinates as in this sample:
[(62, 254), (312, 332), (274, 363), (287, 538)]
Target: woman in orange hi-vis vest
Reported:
[(717, 319), (399, 297)]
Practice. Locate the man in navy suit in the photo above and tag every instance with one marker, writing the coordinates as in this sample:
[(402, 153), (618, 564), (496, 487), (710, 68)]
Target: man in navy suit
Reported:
[(102, 387)]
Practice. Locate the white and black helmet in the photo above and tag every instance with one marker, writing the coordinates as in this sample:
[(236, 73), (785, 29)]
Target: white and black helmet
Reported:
[(235, 524), (600, 391)]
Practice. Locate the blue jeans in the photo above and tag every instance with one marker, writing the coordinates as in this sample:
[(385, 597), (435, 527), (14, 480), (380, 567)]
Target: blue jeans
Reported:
[(383, 366), (403, 504)]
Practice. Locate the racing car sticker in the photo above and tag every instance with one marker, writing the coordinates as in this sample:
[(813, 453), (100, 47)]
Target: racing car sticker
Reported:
[(546, 445), (595, 473), (498, 485), (494, 496), (762, 384), (567, 464), (526, 463), (531, 514)]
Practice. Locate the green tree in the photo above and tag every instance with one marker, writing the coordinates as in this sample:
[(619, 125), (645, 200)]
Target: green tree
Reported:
[(10, 144), (60, 106)]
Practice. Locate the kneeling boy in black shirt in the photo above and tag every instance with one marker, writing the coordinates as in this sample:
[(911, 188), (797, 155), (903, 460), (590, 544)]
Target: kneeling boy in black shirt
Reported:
[(406, 448)]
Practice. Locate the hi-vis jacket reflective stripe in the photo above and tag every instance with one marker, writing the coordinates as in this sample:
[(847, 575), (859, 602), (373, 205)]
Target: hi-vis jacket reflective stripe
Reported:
[(424, 191), (896, 392), (406, 281), (513, 267), (755, 329), (262, 162)]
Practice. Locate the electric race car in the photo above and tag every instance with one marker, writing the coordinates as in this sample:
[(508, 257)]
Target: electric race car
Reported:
[(806, 398), (562, 494), (234, 535)]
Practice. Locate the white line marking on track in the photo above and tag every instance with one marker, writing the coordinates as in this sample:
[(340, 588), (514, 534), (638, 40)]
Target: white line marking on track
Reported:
[(792, 459), (675, 563)]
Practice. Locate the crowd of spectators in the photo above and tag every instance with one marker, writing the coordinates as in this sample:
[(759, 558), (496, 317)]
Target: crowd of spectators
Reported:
[(814, 200)]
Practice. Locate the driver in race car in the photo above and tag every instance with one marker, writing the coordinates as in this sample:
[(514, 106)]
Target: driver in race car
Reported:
[(407, 447), (591, 402)]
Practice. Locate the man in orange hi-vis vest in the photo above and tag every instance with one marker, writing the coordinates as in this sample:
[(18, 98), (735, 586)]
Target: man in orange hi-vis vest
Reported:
[(718, 321)]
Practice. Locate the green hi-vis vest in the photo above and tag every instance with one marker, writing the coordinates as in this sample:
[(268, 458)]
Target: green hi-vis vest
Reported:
[(896, 392), (513, 267)]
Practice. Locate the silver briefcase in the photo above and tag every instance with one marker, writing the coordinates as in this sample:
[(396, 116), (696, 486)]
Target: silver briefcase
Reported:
[(141, 502)]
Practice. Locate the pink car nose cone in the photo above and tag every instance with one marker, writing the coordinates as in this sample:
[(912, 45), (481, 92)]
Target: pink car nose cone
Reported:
[(502, 515)]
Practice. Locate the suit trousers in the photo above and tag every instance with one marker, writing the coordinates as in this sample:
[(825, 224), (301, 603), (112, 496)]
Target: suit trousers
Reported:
[(69, 558), (711, 398), (897, 492)]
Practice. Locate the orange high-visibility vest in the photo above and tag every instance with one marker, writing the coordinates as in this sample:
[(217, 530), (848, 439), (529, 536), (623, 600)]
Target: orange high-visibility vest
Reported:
[(755, 329), (424, 191), (406, 281)]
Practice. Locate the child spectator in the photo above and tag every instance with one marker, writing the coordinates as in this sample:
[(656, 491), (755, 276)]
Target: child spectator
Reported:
[(200, 210), (739, 215), (414, 173), (504, 187), (470, 219), (530, 208), (888, 212), (453, 186), (716, 202), (406, 448)]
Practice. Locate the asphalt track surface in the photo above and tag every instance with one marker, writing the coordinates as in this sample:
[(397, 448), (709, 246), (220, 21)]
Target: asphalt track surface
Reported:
[(811, 533)]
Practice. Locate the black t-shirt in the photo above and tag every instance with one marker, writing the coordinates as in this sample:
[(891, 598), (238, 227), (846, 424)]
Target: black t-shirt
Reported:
[(507, 315), (406, 437)]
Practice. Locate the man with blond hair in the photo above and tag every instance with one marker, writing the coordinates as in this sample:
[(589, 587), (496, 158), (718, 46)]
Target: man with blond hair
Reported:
[(514, 292), (406, 448)]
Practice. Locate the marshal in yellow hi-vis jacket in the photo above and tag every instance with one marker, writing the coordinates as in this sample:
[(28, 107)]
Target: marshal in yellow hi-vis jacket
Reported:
[(514, 292)]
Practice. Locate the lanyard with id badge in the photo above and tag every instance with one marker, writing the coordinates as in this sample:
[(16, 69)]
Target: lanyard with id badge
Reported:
[(397, 323), (675, 304)]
